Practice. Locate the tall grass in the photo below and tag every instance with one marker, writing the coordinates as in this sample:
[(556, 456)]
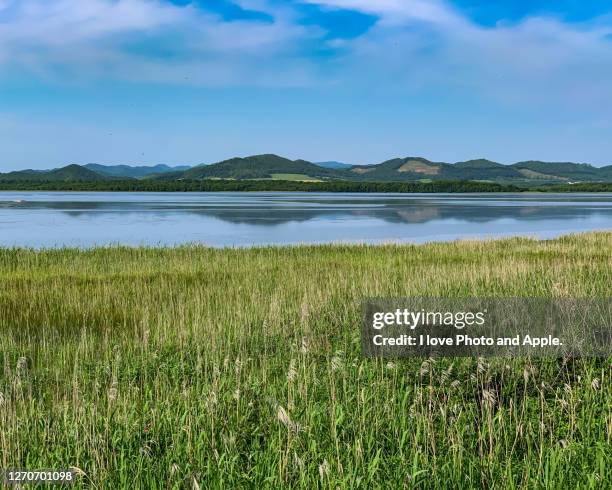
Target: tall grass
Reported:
[(193, 367)]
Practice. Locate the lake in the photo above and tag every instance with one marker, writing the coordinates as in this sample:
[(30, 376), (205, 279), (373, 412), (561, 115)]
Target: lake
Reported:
[(85, 219)]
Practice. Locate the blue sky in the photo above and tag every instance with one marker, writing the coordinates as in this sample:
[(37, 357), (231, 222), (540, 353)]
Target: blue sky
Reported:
[(178, 81)]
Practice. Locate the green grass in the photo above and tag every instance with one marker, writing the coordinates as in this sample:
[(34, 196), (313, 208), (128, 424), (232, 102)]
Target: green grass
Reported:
[(178, 368), (295, 177)]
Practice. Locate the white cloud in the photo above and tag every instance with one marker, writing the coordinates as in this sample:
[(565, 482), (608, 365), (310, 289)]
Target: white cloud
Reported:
[(414, 44), (426, 43), (56, 22), (124, 38)]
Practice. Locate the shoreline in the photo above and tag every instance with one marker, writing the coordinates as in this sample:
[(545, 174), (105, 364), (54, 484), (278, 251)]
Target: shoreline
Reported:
[(407, 187), (309, 246)]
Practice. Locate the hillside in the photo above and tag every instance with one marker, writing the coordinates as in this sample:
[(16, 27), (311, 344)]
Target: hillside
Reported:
[(530, 172), (417, 168), (606, 172), (259, 167), (562, 171), (136, 172), (482, 169), (405, 169), (274, 167), (69, 173)]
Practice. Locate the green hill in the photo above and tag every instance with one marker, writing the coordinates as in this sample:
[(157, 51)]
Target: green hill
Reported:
[(482, 169), (274, 167), (136, 172), (408, 169), (259, 167), (606, 173), (405, 169), (560, 171), (480, 163), (69, 173), (416, 168)]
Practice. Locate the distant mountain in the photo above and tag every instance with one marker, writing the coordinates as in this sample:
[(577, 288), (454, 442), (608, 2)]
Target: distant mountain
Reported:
[(561, 171), (334, 165), (258, 167), (136, 172), (480, 163), (482, 169), (406, 169), (606, 172), (69, 173), (269, 166), (416, 168)]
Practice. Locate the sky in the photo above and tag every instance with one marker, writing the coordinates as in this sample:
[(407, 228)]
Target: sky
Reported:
[(144, 82)]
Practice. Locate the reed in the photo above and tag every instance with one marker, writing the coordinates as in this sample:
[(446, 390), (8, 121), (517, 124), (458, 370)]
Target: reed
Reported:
[(194, 367)]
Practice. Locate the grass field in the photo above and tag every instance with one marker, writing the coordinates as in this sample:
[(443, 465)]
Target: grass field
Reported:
[(201, 368), (296, 177)]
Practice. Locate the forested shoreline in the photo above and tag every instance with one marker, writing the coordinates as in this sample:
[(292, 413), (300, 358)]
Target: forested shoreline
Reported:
[(210, 185)]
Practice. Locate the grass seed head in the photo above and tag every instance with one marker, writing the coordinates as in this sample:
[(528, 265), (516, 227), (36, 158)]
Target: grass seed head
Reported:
[(424, 369), (22, 365), (113, 391), (337, 362), (298, 462), (283, 417), (482, 366), (196, 485), (324, 469), (77, 471), (489, 398), (292, 371)]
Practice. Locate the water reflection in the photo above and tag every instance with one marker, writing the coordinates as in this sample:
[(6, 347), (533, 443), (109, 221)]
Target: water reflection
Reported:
[(275, 209), (50, 219)]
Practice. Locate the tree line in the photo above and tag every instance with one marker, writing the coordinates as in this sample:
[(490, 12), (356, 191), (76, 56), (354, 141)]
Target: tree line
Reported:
[(210, 185)]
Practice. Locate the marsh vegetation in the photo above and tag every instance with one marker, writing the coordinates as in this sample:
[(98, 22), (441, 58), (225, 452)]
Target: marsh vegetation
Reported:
[(230, 368)]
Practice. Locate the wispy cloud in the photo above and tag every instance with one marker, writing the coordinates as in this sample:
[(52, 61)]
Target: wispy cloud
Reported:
[(61, 22), (427, 43), (414, 44), (147, 40)]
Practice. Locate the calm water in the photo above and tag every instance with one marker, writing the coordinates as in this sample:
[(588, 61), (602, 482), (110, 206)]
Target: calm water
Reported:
[(52, 219)]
